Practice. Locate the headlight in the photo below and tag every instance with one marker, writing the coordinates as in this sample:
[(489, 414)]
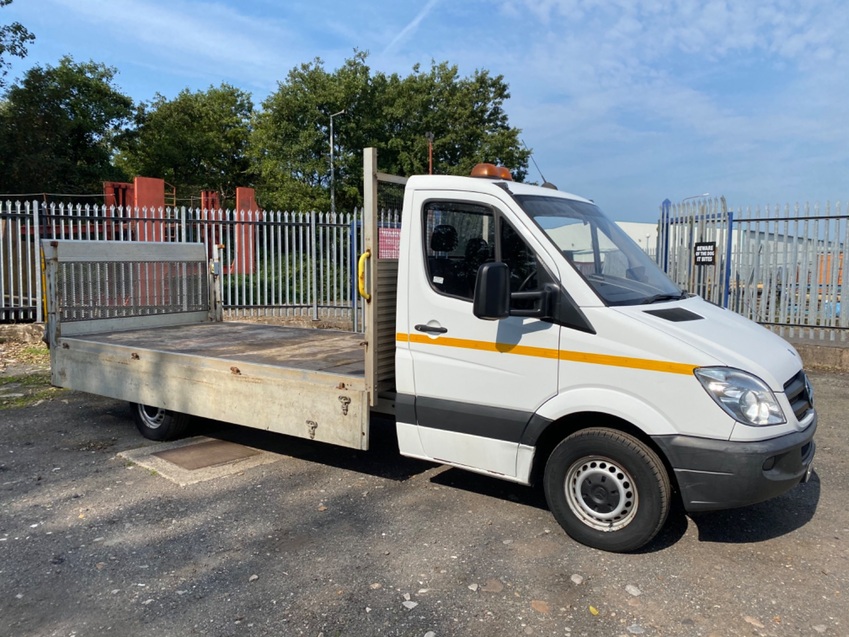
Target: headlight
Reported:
[(744, 397)]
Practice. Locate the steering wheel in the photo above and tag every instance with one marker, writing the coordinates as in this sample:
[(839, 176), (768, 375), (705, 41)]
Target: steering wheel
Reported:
[(527, 280)]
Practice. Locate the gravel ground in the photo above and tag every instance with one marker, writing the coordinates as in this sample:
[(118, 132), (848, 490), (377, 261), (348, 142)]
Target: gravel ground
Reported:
[(328, 542)]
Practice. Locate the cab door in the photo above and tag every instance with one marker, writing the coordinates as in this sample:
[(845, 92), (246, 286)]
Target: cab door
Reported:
[(477, 382)]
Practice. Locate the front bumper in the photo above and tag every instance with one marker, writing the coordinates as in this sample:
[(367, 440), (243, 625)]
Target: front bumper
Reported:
[(720, 474)]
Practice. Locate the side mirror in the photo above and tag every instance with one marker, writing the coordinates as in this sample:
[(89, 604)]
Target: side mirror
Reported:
[(492, 292)]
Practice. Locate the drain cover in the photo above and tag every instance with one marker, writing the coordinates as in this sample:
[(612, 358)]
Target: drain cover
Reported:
[(210, 453), (192, 460)]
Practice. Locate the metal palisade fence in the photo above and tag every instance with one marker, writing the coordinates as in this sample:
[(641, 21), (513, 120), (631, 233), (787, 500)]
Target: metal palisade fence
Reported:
[(782, 266), (281, 264)]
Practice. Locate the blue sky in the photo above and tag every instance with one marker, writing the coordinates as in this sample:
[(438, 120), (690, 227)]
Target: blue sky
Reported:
[(627, 102)]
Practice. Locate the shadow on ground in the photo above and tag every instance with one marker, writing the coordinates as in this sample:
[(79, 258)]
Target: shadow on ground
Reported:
[(381, 460)]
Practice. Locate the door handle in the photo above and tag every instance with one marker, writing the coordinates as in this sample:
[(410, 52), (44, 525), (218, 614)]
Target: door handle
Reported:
[(431, 330)]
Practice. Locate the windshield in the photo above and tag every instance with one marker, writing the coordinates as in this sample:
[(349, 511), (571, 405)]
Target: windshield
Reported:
[(616, 267)]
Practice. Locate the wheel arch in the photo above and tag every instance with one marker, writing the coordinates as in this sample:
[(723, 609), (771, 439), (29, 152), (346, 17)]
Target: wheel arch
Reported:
[(559, 429)]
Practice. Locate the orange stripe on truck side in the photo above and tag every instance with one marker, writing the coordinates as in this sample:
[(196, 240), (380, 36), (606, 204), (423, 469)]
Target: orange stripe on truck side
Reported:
[(545, 352)]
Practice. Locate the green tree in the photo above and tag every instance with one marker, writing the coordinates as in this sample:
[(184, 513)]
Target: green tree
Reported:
[(290, 144), (195, 141), (58, 129), (465, 115), (13, 41)]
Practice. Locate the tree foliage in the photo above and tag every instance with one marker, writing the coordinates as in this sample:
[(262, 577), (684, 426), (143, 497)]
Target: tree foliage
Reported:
[(14, 38), (291, 140), (195, 141), (59, 127), (465, 115), (68, 128)]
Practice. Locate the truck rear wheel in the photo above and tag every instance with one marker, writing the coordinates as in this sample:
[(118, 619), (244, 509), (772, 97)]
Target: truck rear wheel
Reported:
[(155, 423), (607, 489)]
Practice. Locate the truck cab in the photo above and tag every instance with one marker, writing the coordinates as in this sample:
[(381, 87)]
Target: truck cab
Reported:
[(535, 341)]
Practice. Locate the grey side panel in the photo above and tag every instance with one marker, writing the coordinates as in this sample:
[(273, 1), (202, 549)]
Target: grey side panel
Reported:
[(536, 426), (467, 418), (96, 326), (405, 408), (77, 251), (322, 406)]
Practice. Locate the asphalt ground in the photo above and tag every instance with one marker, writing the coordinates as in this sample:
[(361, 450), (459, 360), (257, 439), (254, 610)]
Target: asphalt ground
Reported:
[(326, 541)]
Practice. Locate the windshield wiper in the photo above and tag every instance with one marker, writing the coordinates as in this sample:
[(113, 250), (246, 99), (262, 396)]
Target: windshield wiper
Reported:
[(657, 298)]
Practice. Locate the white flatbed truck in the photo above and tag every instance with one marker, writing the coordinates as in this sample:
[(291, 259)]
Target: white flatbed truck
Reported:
[(519, 333)]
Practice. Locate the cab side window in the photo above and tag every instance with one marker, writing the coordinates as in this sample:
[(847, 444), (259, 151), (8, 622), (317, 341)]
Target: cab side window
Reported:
[(459, 238)]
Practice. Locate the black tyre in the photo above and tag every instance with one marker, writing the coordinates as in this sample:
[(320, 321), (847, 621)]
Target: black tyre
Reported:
[(155, 423), (607, 489)]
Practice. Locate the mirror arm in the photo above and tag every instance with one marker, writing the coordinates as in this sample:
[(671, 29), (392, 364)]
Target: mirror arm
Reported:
[(544, 311)]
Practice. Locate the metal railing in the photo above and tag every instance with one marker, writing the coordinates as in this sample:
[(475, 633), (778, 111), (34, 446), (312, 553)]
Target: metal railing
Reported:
[(290, 264), (782, 266)]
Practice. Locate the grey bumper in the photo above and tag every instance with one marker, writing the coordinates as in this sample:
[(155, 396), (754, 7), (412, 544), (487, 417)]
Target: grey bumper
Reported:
[(719, 474)]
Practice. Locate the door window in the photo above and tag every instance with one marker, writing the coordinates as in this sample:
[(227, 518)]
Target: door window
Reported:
[(459, 237)]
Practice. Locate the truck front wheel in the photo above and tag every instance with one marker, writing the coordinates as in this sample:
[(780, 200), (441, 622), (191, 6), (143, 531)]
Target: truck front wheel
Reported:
[(607, 489), (155, 423)]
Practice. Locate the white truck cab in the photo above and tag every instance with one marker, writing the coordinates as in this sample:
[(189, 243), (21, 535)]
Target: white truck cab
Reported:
[(535, 339)]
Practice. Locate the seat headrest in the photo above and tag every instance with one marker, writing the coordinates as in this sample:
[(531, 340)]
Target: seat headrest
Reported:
[(477, 248), (443, 239)]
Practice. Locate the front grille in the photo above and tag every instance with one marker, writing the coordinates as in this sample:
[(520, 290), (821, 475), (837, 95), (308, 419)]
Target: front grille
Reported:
[(796, 390)]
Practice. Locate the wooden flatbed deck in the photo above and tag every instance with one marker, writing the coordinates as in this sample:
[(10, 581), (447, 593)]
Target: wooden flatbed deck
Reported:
[(331, 351)]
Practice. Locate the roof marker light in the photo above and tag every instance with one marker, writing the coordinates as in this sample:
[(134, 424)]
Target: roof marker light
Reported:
[(491, 171)]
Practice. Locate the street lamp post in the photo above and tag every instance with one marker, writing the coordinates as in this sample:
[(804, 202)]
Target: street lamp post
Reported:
[(332, 170), (704, 194)]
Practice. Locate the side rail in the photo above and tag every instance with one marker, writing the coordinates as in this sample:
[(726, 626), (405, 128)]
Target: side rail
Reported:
[(100, 286)]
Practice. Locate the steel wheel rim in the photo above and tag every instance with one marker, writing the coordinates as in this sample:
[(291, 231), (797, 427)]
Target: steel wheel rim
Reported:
[(601, 493), (153, 417)]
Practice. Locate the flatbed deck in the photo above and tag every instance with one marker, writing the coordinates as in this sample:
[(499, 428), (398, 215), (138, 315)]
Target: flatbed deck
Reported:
[(299, 381), (143, 322), (314, 350)]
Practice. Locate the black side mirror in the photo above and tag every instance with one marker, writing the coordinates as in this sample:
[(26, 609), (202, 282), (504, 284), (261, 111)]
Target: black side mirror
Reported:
[(492, 292)]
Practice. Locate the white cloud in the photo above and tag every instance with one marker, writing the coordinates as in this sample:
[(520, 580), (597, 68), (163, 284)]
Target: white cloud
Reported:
[(745, 94), (194, 38)]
